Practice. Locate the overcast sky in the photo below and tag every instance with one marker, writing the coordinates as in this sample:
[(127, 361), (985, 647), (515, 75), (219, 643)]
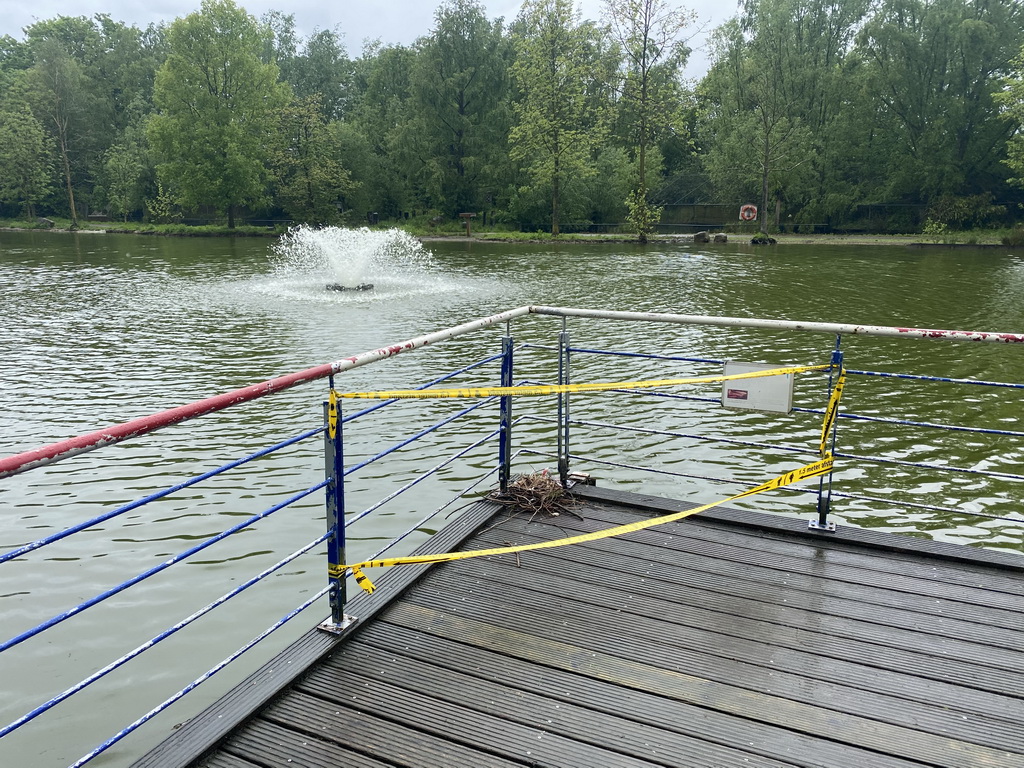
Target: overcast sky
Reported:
[(393, 21)]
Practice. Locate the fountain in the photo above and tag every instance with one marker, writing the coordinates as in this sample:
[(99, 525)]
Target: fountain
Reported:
[(343, 260)]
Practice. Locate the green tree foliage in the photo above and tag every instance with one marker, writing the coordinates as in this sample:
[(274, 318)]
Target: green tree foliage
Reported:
[(649, 35), (315, 67), (774, 100), (379, 114), (817, 108), (760, 144), (90, 78), (24, 159), (61, 95), (1011, 97), (559, 72), (217, 102), (310, 180), (459, 107), (936, 67)]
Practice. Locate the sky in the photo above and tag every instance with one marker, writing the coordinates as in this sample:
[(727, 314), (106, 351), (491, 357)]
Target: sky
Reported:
[(392, 21)]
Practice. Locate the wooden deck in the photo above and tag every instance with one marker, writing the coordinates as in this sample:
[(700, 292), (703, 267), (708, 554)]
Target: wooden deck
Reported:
[(728, 639)]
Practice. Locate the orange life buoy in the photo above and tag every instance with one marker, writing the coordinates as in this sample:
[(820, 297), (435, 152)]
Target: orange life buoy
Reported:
[(748, 212)]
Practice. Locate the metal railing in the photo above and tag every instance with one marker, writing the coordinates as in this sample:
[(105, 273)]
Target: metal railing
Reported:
[(572, 438)]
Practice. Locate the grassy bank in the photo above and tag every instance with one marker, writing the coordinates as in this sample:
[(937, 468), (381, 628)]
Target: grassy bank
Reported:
[(974, 237), (137, 228)]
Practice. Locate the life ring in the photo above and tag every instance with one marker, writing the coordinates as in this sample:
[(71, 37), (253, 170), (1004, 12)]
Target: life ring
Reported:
[(748, 212)]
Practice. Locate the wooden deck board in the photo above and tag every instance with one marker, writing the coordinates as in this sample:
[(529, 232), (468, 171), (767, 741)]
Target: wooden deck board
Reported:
[(714, 656), (732, 639), (268, 743), (630, 703), (590, 736), (810, 592)]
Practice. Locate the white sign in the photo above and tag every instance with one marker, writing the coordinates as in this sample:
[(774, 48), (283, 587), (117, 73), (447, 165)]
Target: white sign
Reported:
[(759, 393)]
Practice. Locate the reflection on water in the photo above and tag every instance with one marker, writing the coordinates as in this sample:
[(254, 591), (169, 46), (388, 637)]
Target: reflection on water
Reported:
[(102, 329)]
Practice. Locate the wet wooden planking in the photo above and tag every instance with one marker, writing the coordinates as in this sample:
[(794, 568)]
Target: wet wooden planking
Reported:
[(731, 638)]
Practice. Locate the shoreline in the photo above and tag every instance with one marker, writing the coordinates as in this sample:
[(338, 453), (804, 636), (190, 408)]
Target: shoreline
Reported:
[(909, 241)]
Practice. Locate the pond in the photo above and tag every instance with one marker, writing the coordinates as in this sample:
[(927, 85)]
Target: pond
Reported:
[(100, 329)]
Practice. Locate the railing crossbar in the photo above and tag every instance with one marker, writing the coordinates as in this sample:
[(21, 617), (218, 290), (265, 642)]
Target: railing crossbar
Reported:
[(941, 379), (154, 497), (428, 385), (422, 433), (439, 510), (780, 447), (675, 433), (647, 356), (52, 622), (100, 673), (928, 465), (419, 478), (811, 491), (198, 681)]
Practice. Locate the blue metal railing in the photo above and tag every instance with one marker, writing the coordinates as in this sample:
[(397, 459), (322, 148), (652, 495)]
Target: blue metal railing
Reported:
[(575, 432), (334, 534)]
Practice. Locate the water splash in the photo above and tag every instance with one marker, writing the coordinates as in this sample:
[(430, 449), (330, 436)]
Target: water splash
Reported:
[(314, 258)]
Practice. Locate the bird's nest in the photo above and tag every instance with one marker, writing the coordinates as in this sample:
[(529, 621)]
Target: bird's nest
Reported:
[(536, 494)]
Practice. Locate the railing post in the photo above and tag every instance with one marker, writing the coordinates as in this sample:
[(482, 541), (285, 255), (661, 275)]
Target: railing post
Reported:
[(334, 467), (825, 494), (505, 427), (564, 378)]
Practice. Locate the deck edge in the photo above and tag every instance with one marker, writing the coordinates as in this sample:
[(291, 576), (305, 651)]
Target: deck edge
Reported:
[(883, 540), (198, 735)]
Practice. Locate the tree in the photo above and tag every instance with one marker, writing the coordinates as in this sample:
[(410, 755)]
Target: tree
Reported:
[(381, 114), (60, 90), (936, 67), (648, 33), (1012, 98), (90, 79), (759, 121), (323, 70), (24, 159), (217, 104), (561, 108), (310, 179), (459, 87)]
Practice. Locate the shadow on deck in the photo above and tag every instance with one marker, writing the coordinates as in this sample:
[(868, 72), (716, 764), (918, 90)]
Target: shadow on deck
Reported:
[(727, 639)]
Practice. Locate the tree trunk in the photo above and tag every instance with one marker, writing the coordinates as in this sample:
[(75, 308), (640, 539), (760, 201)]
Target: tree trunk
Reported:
[(764, 187), (641, 230), (231, 217), (555, 191), (67, 181)]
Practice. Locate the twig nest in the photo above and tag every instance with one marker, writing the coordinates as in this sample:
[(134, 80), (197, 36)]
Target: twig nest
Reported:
[(536, 493)]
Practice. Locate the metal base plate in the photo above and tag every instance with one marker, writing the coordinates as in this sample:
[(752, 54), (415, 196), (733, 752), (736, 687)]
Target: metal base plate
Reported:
[(814, 525), (336, 629)]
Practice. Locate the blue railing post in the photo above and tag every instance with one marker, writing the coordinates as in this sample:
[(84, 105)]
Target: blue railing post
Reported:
[(334, 467), (564, 378), (825, 494), (505, 427)]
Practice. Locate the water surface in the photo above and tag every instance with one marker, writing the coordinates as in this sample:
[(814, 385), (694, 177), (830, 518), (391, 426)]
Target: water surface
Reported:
[(100, 329)]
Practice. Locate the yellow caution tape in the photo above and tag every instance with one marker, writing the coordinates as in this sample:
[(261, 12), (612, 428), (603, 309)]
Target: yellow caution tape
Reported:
[(821, 467), (558, 389), (332, 414), (832, 411)]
